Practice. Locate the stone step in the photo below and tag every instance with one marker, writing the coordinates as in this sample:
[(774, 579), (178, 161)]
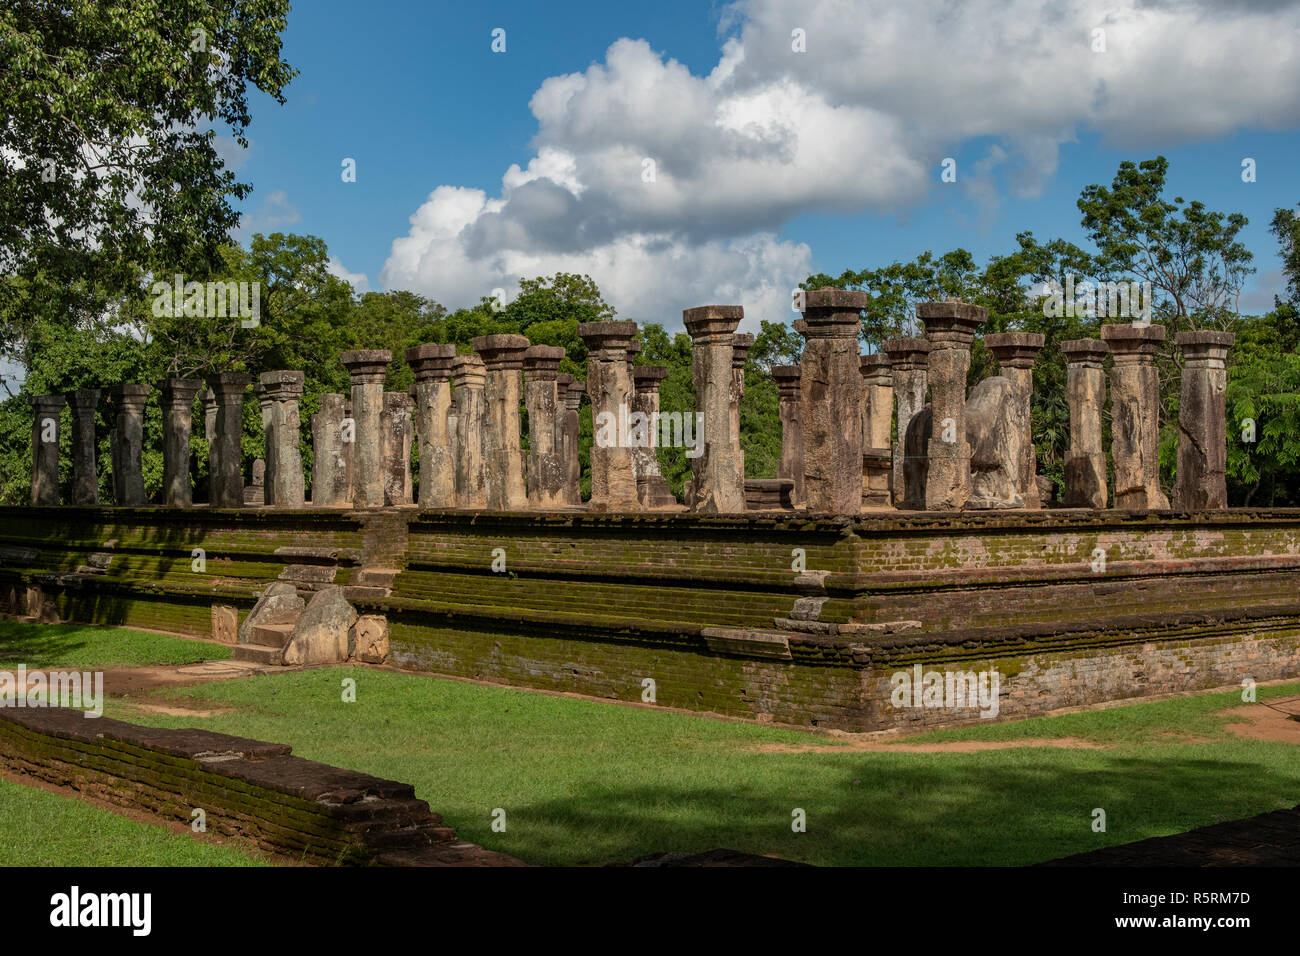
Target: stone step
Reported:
[(259, 654), (355, 592), (376, 577), (271, 635)]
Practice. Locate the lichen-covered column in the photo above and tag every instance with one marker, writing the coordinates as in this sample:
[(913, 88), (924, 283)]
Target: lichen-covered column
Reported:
[(284, 476), (791, 467), (1016, 352), (613, 480), (562, 382), (329, 468), (47, 410), (126, 443), (225, 460), (1135, 415), (432, 367), (877, 423), (209, 401), (84, 403), (367, 367), (571, 429), (719, 480), (395, 427), (651, 488), (1201, 483), (178, 412), (909, 366), (546, 466), (1085, 395), (950, 328), (467, 403), (503, 454), (830, 384), (741, 343)]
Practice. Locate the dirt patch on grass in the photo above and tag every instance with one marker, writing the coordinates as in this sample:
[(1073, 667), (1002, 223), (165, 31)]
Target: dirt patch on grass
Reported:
[(152, 688), (946, 747), (1277, 721)]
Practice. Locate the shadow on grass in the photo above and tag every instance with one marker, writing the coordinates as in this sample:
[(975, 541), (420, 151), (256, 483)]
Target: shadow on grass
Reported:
[(1013, 815), (25, 643)]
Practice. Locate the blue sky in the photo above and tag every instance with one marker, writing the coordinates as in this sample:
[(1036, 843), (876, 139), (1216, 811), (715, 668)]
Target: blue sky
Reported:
[(414, 93)]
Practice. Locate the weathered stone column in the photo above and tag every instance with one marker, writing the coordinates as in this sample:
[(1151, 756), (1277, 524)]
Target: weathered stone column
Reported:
[(432, 367), (877, 423), (546, 466), (1016, 352), (1085, 393), (741, 343), (178, 412), (329, 468), (395, 428), (209, 433), (284, 477), (830, 384), (562, 382), (225, 459), (503, 454), (571, 428), (950, 328), (651, 488), (367, 367), (126, 443), (787, 386), (467, 403), (613, 480), (47, 410), (1201, 483), (84, 403), (718, 478), (909, 364), (1135, 415)]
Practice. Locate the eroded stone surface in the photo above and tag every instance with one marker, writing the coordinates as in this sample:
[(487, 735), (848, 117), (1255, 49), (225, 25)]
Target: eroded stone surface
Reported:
[(321, 633)]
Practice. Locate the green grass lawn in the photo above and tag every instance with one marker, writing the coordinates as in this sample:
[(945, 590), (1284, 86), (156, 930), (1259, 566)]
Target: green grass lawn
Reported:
[(51, 646), (584, 782), (39, 828)]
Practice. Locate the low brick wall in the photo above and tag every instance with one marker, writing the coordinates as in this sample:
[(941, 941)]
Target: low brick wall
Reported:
[(774, 617), (247, 789)]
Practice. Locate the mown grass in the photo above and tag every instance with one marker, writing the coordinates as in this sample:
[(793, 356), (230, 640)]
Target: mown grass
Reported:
[(74, 645), (585, 782)]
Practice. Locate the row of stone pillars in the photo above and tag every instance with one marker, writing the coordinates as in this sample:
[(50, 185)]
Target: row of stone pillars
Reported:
[(829, 460)]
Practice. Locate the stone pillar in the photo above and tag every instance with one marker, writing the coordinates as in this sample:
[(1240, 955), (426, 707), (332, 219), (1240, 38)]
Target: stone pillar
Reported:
[(126, 443), (613, 480), (225, 459), (467, 403), (1135, 415), (830, 384), (284, 478), (209, 433), (395, 428), (546, 466), (432, 367), (84, 403), (1085, 393), (950, 328), (367, 368), (562, 382), (877, 423), (1016, 352), (1200, 483), (572, 431), (787, 385), (909, 366), (47, 410), (503, 454), (651, 488), (718, 479), (741, 343), (178, 411), (329, 469)]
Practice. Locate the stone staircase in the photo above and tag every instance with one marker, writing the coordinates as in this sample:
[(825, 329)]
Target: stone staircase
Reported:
[(268, 644)]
